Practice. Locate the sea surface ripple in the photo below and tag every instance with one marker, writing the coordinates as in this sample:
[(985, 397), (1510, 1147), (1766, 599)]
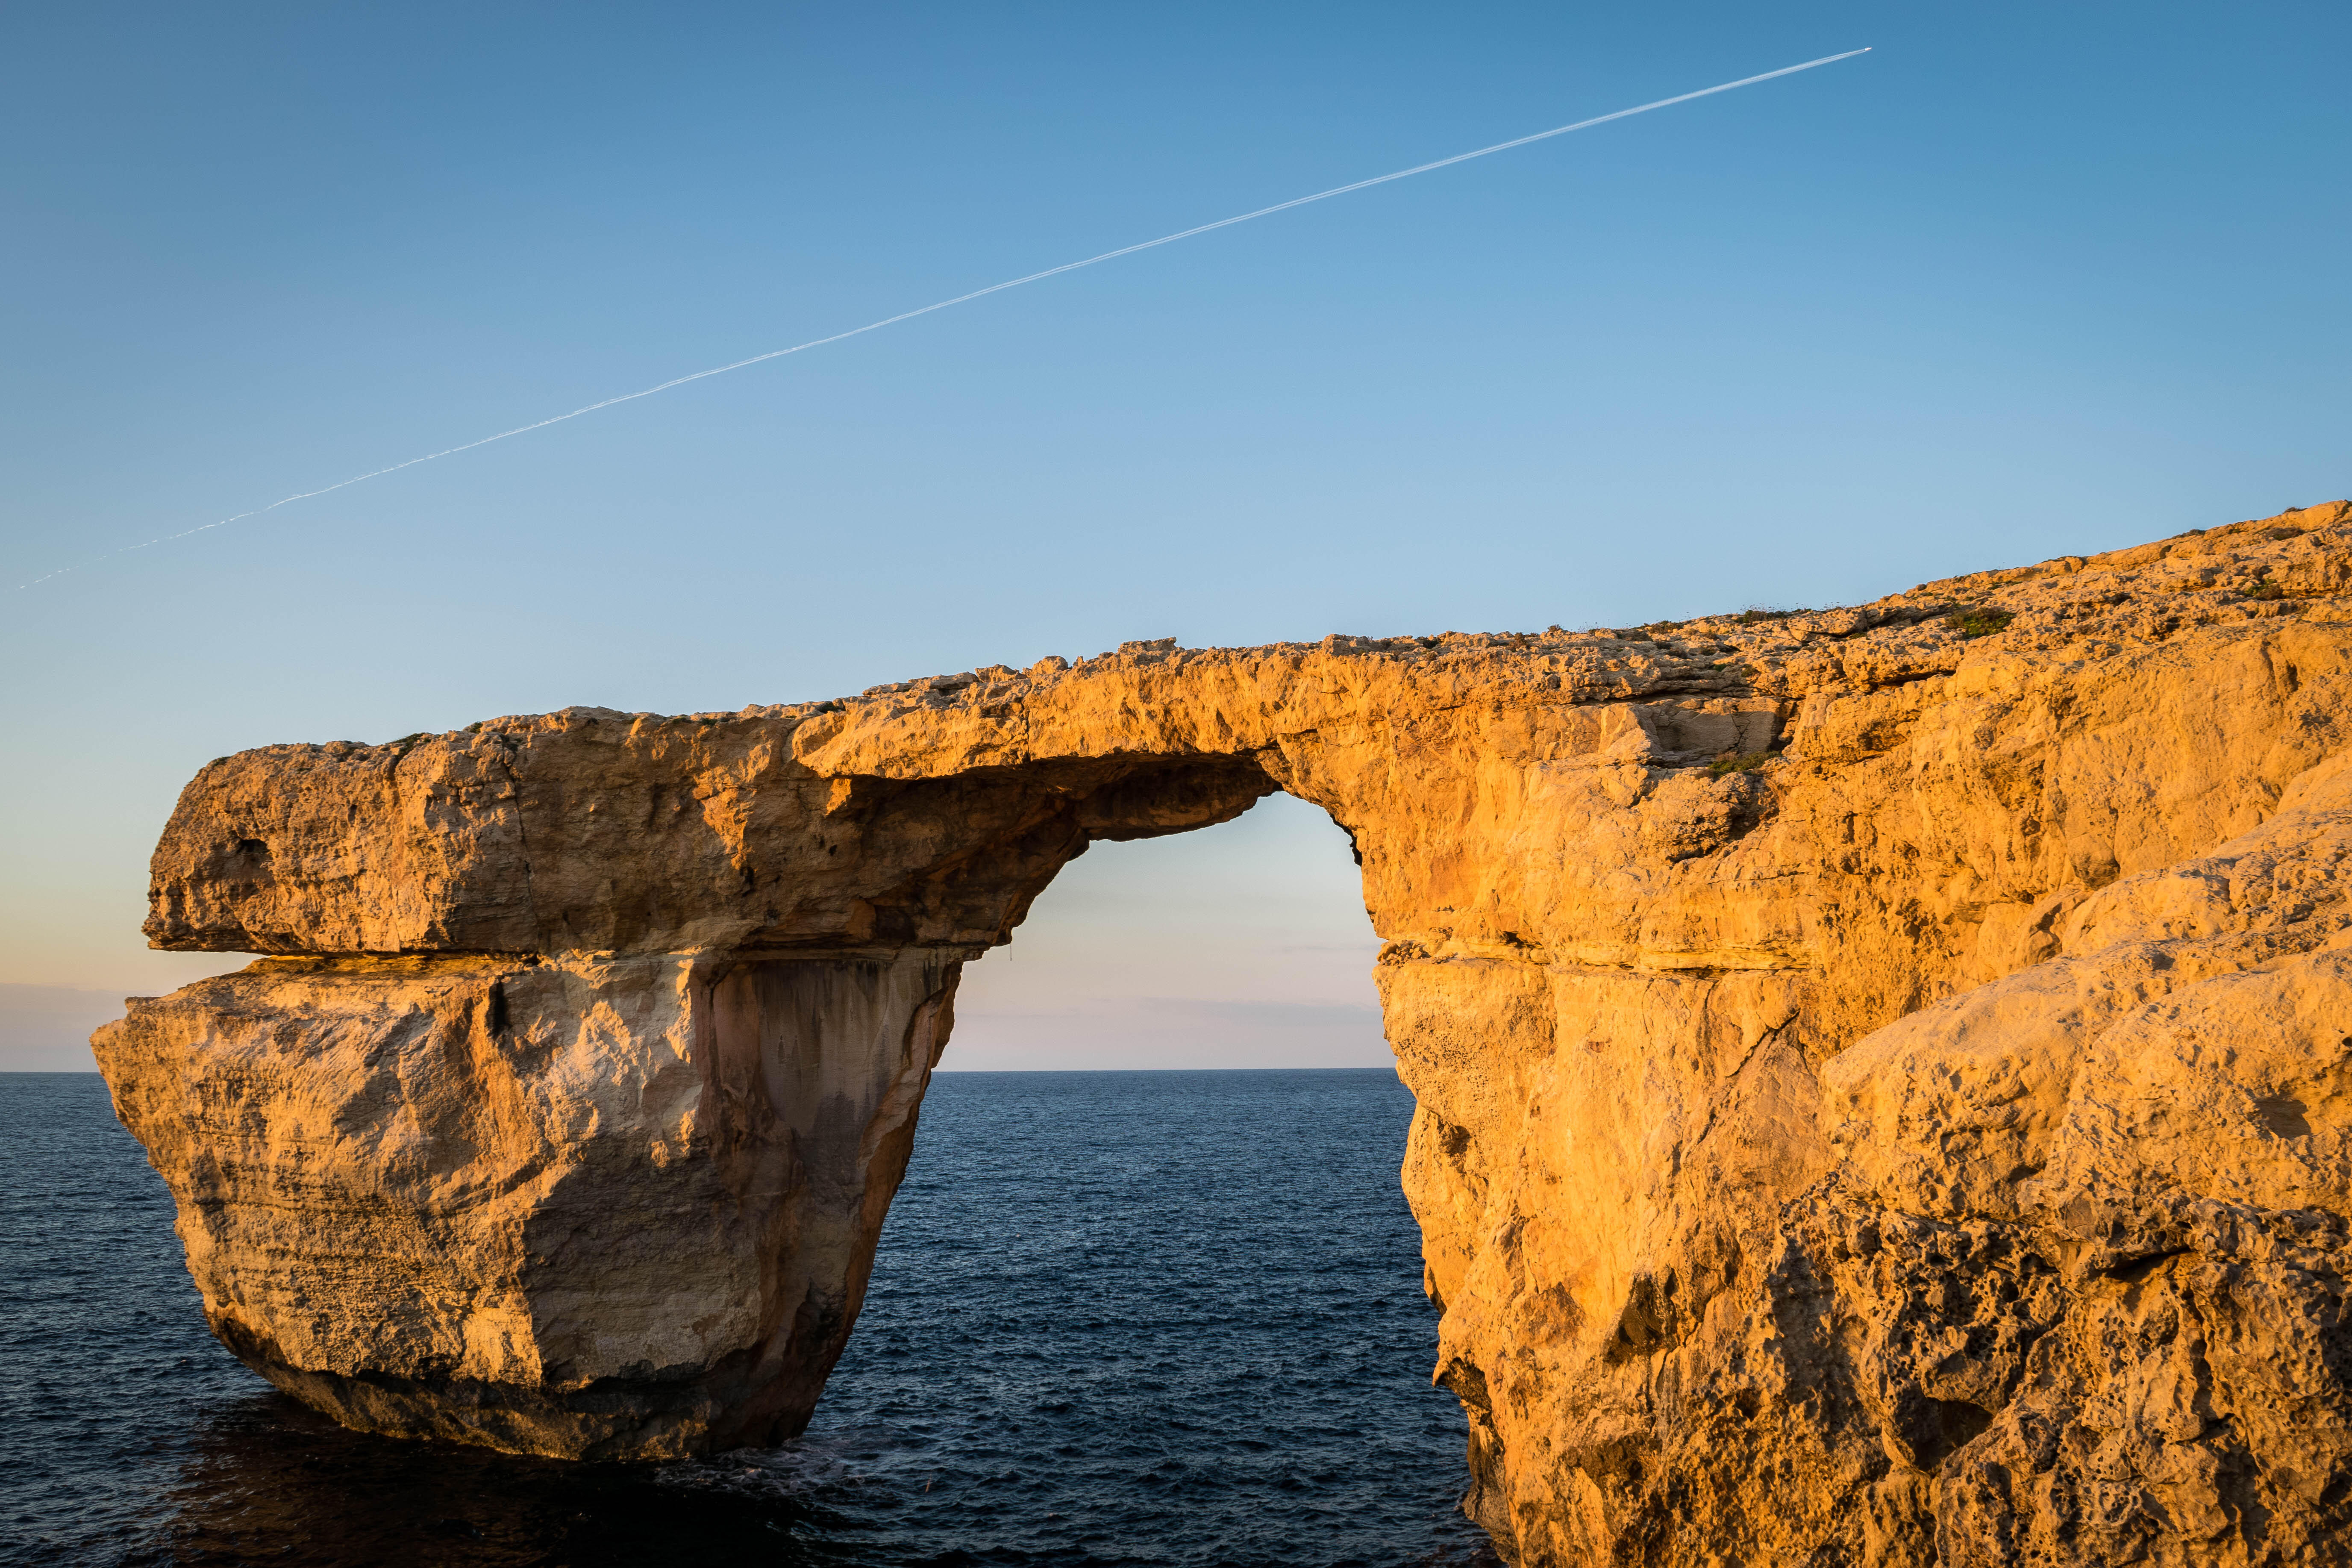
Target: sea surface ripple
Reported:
[(1167, 1318)]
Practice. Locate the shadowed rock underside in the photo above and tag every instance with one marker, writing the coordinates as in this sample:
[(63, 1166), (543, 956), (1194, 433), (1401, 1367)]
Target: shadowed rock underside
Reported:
[(1885, 1075)]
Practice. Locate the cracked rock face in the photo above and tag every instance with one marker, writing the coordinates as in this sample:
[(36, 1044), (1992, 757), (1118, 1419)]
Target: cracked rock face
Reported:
[(1885, 1075)]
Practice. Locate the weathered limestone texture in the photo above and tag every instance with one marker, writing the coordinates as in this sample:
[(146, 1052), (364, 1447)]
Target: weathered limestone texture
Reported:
[(1885, 1074)]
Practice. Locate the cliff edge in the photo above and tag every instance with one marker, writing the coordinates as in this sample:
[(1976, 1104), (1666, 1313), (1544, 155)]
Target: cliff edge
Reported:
[(1884, 1075)]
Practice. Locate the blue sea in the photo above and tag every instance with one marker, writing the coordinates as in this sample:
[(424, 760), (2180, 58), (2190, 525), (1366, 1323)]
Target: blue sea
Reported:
[(1168, 1317)]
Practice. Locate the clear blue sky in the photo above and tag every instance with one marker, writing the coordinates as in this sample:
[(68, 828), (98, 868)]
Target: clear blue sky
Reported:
[(2025, 281)]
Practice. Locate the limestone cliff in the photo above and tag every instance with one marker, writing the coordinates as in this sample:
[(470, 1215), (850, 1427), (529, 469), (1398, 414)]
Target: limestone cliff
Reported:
[(1885, 1075)]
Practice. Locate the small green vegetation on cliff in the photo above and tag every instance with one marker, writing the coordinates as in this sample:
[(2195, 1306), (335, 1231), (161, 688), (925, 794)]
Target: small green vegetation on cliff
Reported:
[(1738, 762), (1977, 623)]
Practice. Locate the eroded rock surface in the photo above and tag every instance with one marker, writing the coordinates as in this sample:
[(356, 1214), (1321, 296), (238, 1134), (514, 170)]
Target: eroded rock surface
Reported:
[(1885, 1075)]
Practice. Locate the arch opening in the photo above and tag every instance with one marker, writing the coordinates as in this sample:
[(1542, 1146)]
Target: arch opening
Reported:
[(1179, 1301), (1244, 946)]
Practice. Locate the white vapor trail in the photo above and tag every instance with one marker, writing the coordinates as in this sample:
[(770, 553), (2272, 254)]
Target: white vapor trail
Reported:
[(961, 298)]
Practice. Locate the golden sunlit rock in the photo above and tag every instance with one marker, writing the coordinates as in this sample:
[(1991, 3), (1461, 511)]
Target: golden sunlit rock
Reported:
[(1885, 1074)]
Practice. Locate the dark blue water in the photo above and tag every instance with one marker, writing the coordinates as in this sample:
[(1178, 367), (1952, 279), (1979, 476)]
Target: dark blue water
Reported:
[(1117, 1318)]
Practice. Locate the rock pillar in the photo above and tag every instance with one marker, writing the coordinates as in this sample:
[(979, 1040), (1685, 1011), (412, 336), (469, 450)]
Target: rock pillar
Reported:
[(592, 1208)]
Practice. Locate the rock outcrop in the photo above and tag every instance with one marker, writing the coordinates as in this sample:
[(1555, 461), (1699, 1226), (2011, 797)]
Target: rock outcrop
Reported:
[(1885, 1075)]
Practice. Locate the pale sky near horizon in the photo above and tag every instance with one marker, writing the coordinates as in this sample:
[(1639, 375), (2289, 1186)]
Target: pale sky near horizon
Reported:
[(2023, 281)]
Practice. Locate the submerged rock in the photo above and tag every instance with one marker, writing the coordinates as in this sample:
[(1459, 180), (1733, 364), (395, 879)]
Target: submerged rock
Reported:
[(1885, 1075)]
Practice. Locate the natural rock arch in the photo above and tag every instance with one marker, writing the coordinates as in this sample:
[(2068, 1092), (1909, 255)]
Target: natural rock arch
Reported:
[(1812, 1019)]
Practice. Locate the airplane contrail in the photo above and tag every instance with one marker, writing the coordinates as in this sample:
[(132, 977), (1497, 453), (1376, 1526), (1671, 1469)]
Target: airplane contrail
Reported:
[(961, 298)]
